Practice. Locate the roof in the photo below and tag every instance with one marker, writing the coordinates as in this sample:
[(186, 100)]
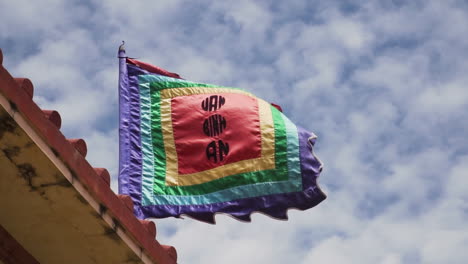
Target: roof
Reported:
[(54, 206)]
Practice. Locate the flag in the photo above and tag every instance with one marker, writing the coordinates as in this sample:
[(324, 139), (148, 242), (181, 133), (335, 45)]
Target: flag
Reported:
[(196, 149)]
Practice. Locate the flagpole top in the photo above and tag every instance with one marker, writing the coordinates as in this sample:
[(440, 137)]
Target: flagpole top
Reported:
[(122, 49)]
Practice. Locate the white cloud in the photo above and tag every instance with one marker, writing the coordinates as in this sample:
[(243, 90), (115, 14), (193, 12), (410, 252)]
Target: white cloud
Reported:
[(382, 84)]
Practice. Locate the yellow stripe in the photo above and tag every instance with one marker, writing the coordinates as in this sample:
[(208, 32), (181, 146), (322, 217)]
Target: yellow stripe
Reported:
[(169, 144), (174, 92), (265, 162)]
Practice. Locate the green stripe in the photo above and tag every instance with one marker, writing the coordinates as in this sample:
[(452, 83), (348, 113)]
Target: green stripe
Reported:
[(161, 83), (293, 184)]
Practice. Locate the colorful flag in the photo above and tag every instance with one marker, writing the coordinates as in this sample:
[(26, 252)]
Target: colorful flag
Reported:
[(195, 149)]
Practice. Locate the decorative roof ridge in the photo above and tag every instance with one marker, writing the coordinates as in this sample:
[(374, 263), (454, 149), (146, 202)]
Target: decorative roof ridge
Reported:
[(46, 123)]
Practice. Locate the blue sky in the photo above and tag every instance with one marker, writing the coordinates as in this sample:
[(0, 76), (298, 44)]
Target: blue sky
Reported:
[(382, 84)]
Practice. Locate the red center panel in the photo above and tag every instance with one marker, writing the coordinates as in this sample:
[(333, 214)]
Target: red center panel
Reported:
[(212, 130)]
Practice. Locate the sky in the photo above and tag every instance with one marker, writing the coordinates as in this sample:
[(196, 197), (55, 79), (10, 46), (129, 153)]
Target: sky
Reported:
[(383, 84)]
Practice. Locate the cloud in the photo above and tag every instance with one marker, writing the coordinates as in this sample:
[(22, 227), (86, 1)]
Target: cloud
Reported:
[(381, 84)]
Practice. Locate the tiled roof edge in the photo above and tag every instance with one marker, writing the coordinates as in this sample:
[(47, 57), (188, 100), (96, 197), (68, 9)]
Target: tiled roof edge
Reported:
[(72, 152)]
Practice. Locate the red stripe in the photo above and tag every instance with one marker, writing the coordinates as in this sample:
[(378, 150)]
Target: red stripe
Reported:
[(277, 107), (153, 69)]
